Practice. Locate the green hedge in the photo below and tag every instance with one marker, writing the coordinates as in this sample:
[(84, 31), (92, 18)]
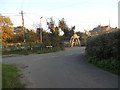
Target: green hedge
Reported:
[(104, 48)]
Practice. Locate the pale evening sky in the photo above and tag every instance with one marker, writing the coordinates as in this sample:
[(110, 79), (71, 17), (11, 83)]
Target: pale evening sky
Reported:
[(84, 14)]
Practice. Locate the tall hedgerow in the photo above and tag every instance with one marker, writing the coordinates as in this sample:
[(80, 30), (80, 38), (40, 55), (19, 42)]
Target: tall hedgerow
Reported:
[(104, 49)]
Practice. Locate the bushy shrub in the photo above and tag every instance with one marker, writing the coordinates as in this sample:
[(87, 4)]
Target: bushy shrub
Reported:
[(104, 51), (82, 42), (35, 46), (104, 46)]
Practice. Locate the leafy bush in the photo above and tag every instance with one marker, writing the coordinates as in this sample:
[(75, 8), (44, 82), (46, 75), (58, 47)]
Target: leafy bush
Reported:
[(82, 42), (34, 46), (104, 46), (104, 51)]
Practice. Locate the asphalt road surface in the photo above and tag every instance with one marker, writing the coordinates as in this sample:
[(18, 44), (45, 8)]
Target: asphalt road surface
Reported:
[(64, 69)]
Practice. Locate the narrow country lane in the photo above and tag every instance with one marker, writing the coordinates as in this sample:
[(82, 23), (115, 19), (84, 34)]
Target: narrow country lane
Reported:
[(64, 69)]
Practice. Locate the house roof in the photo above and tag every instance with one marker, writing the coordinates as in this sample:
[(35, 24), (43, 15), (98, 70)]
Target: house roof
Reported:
[(96, 29)]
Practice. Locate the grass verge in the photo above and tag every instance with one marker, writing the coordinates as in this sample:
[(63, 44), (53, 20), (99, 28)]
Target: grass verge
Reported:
[(20, 52), (55, 49), (110, 65), (10, 77), (27, 52)]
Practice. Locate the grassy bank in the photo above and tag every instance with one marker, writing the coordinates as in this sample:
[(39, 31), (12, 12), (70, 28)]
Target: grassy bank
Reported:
[(110, 65), (55, 49), (103, 51), (37, 51), (10, 77)]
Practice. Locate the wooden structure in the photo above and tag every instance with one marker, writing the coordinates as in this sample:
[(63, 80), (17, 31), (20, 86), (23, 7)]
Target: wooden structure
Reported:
[(75, 40)]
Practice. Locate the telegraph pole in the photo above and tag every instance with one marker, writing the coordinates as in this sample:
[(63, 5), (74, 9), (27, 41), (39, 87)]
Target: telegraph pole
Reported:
[(40, 31), (23, 27)]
